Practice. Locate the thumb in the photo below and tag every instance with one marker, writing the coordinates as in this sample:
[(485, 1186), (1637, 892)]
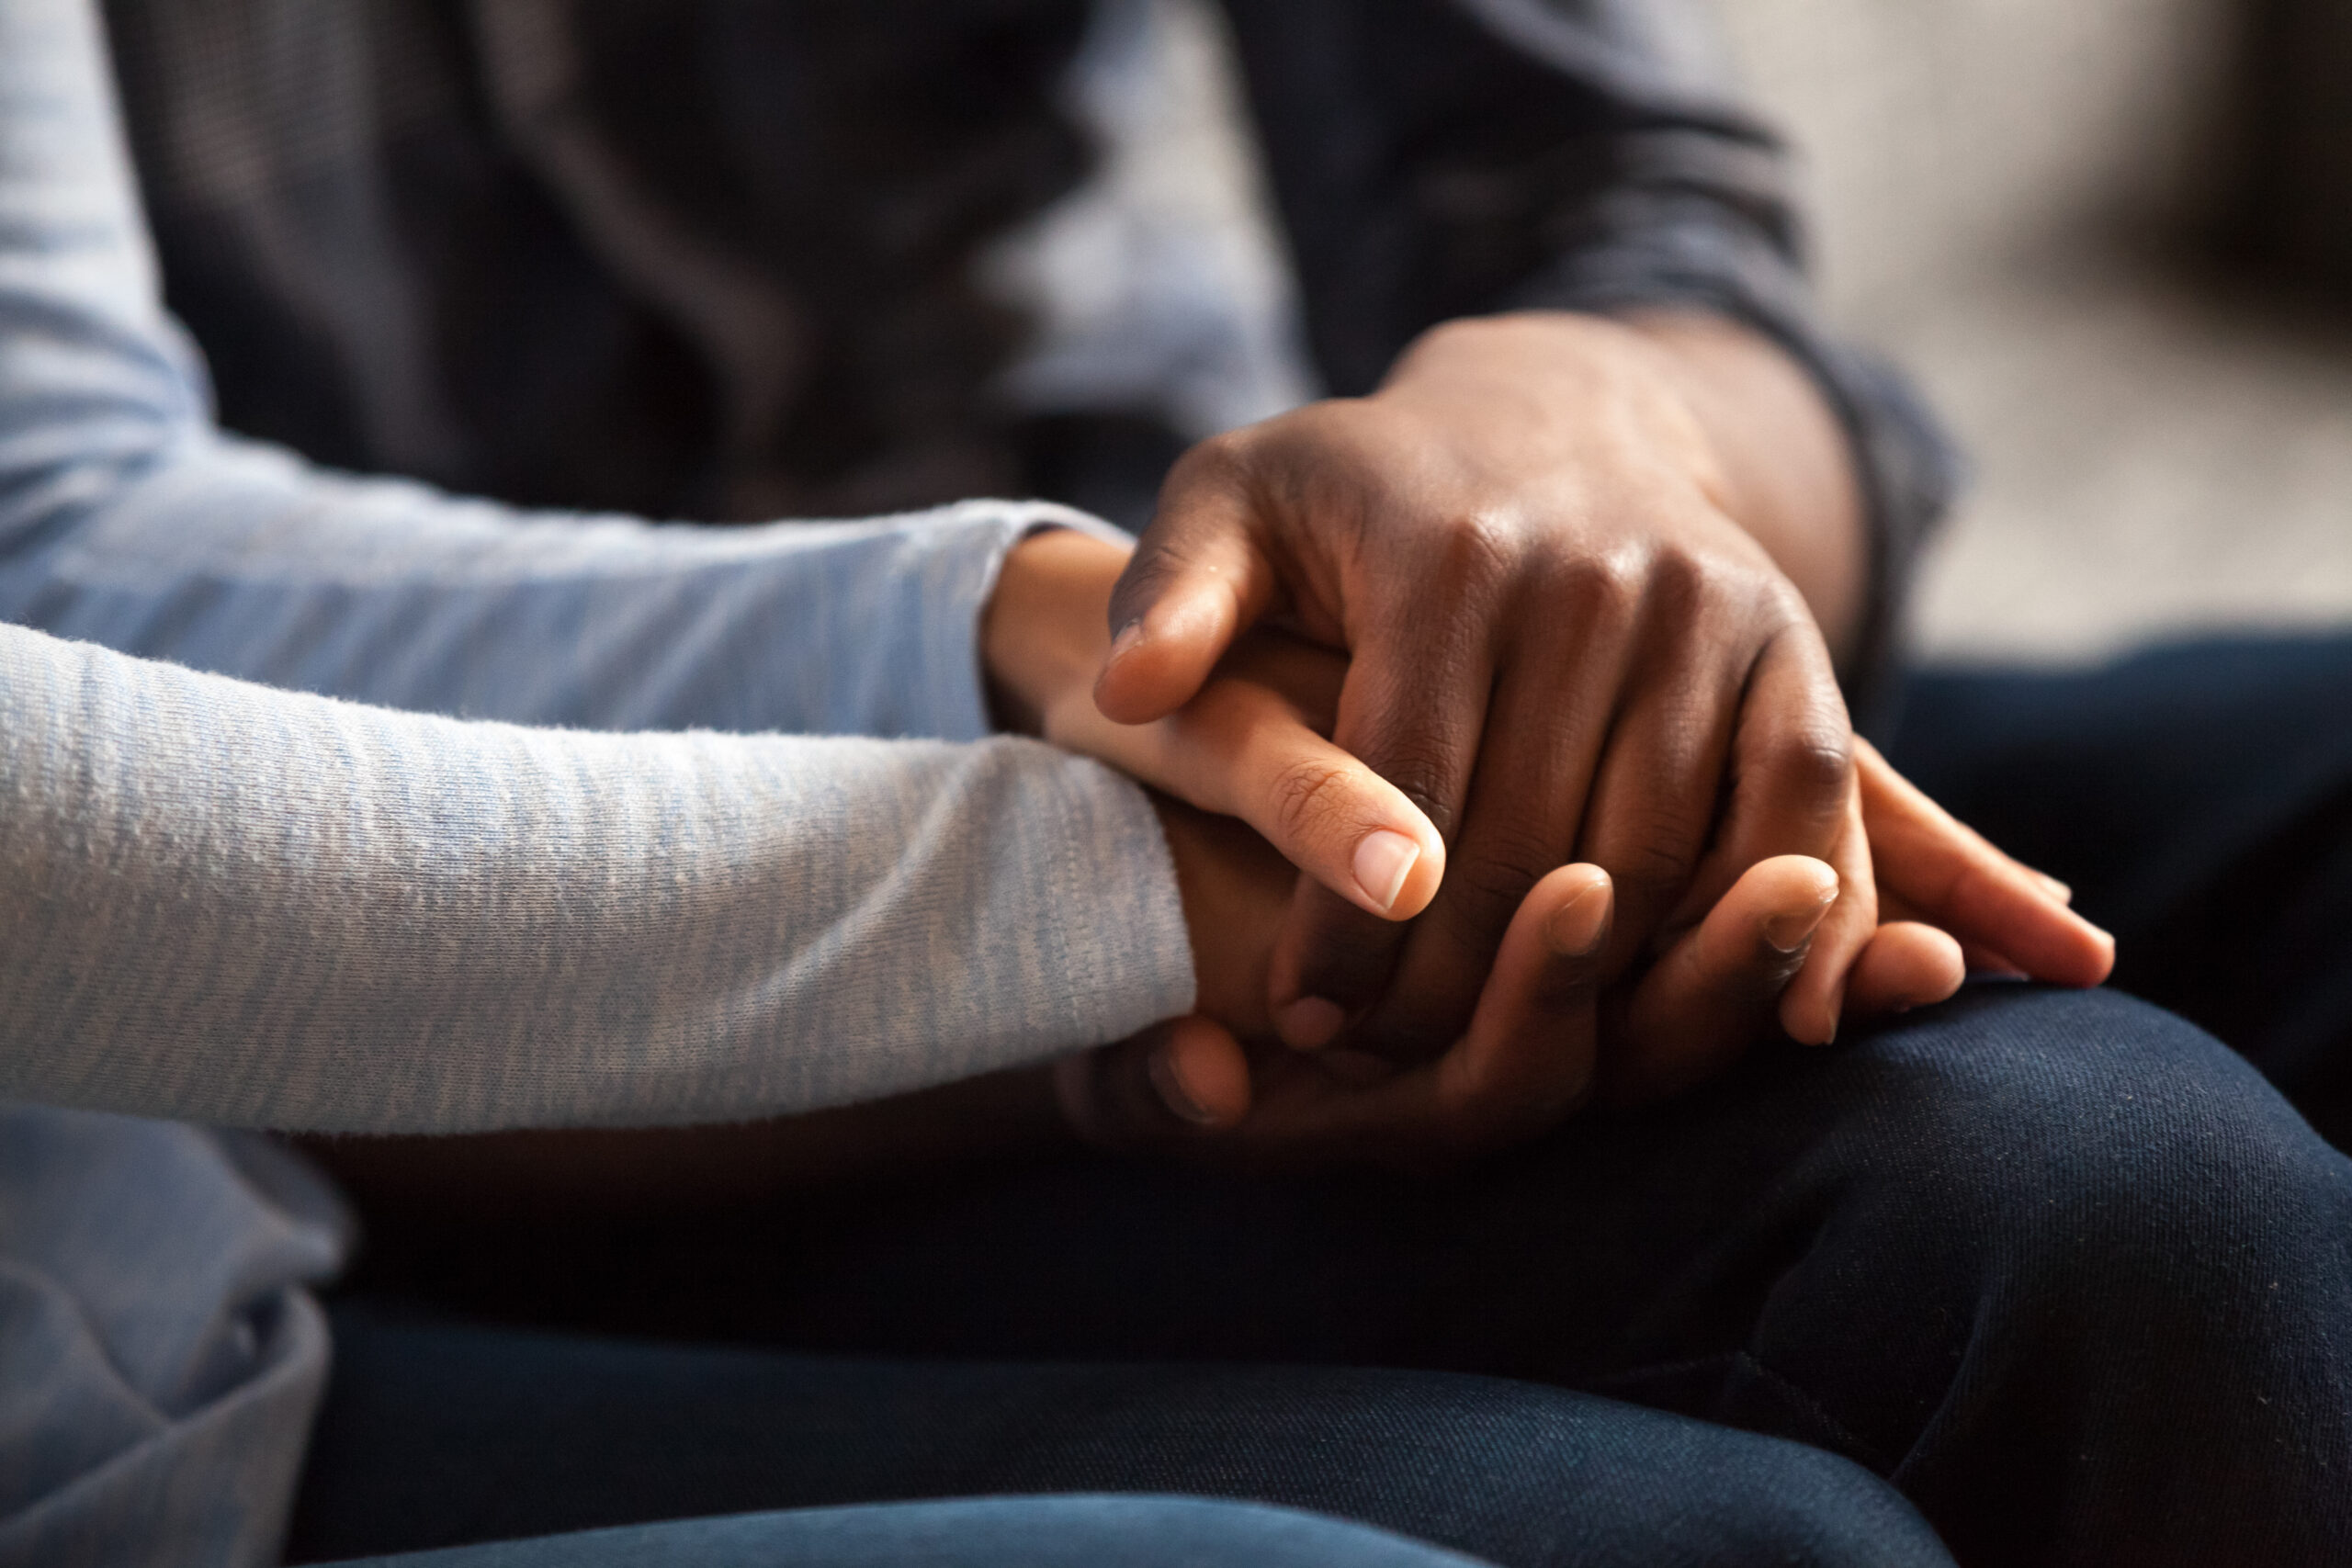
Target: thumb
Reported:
[(1175, 1081), (1198, 578)]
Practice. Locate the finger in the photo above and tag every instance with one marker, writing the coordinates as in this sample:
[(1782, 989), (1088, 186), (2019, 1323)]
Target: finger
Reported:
[(1815, 999), (1168, 1085), (1412, 709), (1525, 1064), (1198, 578), (1906, 965), (1791, 767), (1240, 750), (1550, 718), (1978, 959), (1713, 993), (1653, 804), (1951, 877)]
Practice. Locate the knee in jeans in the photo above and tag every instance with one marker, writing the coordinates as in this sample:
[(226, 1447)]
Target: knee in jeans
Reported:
[(2087, 1138)]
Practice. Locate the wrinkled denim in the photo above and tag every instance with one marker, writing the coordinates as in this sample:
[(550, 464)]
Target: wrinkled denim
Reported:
[(2059, 1266)]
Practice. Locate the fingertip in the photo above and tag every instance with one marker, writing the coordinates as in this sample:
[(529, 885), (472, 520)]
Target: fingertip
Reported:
[(1309, 1023), (1907, 965), (2101, 961), (1397, 869), (1938, 966), (1796, 894), (1579, 926), (1201, 1075)]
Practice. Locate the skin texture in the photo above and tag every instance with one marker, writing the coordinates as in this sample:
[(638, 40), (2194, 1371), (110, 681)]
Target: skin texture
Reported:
[(1577, 587), (1582, 569), (1551, 1026)]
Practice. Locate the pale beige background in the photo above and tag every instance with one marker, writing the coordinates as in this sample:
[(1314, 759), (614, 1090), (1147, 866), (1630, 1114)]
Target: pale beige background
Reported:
[(1986, 175)]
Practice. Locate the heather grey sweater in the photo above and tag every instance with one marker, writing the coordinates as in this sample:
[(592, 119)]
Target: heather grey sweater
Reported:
[(237, 905), (581, 861)]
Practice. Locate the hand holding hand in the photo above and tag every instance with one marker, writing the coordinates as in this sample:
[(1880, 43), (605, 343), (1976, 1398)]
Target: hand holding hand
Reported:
[(1562, 647)]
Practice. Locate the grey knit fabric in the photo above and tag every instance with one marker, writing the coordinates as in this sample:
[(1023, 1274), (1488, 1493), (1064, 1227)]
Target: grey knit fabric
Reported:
[(240, 905)]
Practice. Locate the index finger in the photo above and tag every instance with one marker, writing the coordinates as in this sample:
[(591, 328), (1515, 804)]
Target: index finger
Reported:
[(1412, 710), (1948, 875), (1199, 577)]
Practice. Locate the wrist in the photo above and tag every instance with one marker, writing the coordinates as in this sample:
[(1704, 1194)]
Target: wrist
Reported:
[(1045, 629)]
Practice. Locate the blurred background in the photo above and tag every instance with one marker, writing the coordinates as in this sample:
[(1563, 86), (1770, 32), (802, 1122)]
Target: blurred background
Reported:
[(2111, 237)]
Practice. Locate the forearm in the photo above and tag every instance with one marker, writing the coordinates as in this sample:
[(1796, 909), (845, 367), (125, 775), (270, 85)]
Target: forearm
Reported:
[(126, 520), (235, 559), (249, 908)]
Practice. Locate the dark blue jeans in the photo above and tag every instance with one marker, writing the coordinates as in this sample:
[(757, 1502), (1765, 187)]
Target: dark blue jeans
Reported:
[(988, 1532), (2061, 1268)]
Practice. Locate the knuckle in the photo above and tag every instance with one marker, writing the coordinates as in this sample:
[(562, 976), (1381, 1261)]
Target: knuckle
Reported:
[(1606, 588), (1424, 776), (1815, 762), (1214, 459), (1474, 552), (1683, 584)]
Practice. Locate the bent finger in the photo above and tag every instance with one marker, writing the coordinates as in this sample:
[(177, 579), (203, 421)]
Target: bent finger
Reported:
[(1525, 1064), (1951, 876), (1815, 999), (1199, 577), (1906, 965), (1171, 1084), (1412, 709), (1791, 767), (1713, 993)]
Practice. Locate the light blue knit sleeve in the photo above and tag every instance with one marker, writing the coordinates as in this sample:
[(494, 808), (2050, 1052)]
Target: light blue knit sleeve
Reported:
[(127, 519), (226, 902), (250, 908)]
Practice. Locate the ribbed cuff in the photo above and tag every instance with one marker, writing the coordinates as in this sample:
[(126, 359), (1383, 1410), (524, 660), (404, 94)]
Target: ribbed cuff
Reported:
[(962, 554)]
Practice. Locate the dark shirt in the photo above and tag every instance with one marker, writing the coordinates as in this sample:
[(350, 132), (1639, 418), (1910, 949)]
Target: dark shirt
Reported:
[(715, 258)]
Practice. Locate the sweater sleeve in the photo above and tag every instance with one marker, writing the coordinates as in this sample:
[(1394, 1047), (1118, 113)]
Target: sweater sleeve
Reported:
[(127, 519), (236, 905), (228, 901)]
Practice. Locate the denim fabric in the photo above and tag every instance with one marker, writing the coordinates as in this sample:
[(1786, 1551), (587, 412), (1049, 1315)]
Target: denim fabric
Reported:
[(2198, 799), (443, 1432), (984, 1532), (2059, 1266)]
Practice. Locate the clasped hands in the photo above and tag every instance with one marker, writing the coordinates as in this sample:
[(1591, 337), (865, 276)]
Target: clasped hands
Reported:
[(1494, 661)]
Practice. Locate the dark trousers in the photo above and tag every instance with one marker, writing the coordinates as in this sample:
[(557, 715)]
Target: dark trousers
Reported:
[(2063, 1271)]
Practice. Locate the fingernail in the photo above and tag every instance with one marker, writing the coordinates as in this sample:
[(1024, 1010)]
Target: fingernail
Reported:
[(1129, 634), (1383, 858), (1172, 1092), (2055, 889), (1577, 927), (1788, 933), (1309, 1023)]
